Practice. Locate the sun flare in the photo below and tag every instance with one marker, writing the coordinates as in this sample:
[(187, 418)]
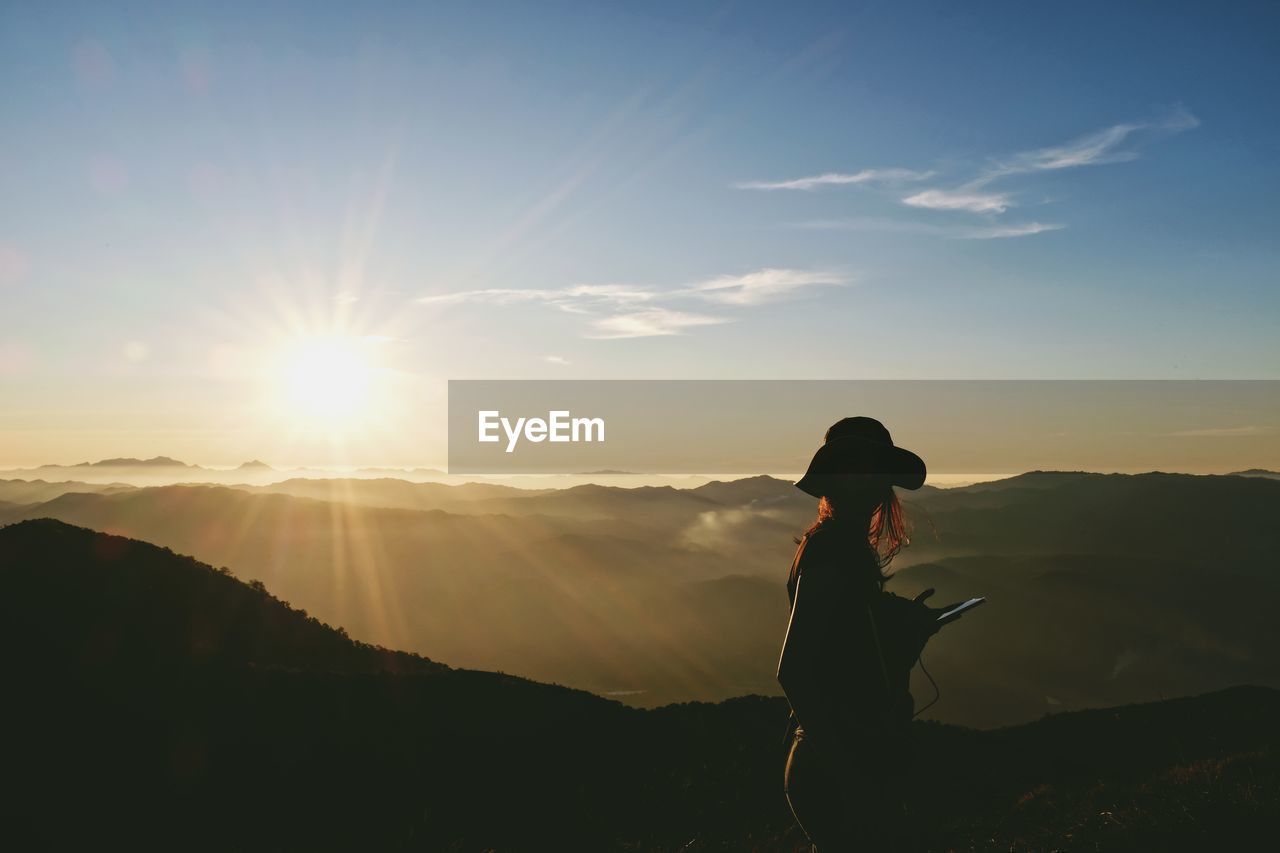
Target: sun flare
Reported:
[(328, 382)]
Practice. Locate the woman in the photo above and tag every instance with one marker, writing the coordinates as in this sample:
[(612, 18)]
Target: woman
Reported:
[(850, 645)]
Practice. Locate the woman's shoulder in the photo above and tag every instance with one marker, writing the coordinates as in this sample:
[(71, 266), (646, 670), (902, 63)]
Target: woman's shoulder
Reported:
[(831, 551), (830, 537)]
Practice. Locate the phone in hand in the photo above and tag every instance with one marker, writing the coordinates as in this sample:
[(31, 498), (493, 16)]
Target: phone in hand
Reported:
[(959, 610)]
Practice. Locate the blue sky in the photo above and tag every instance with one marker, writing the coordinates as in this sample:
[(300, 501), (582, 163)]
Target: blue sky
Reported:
[(581, 190)]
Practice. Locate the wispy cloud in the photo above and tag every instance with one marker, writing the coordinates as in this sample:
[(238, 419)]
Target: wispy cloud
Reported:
[(652, 322), (907, 226), (578, 299), (1091, 150), (556, 359), (1094, 149), (974, 202), (998, 232), (625, 311), (1115, 144), (496, 295), (763, 286), (1224, 432), (717, 529), (868, 223), (835, 179)]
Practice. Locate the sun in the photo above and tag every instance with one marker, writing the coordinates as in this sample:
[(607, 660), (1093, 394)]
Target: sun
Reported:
[(328, 382), (322, 378)]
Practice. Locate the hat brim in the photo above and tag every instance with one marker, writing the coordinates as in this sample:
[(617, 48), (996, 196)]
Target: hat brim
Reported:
[(851, 463)]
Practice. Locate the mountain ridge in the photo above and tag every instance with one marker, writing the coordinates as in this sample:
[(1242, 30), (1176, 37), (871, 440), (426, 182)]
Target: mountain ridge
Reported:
[(1159, 585), (304, 753)]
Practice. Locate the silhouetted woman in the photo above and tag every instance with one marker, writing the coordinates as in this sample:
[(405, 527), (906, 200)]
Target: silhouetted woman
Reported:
[(850, 645)]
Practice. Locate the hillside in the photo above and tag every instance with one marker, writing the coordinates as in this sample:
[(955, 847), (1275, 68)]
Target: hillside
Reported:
[(1104, 589), (170, 705), (546, 597), (129, 603)]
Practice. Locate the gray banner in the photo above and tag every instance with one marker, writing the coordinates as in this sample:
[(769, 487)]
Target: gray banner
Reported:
[(740, 427)]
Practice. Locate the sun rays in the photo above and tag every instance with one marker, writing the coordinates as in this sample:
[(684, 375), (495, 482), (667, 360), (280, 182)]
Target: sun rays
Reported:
[(330, 382)]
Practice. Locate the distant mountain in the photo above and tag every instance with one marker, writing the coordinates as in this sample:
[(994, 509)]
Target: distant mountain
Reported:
[(1103, 589), (749, 489), (254, 465), (1257, 472), (119, 471), (647, 504), (155, 702), (1029, 480), (39, 491), (392, 492), (1175, 517), (126, 462)]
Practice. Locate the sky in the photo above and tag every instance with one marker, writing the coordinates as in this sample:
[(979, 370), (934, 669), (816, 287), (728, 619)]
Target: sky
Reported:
[(275, 230)]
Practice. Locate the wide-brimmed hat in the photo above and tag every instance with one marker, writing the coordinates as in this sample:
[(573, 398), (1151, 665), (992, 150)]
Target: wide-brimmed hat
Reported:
[(856, 452)]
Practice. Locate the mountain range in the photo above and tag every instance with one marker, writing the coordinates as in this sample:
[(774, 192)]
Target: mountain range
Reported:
[(1103, 589), (170, 705)]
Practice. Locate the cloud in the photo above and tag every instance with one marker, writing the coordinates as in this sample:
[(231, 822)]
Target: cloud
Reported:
[(997, 232), (625, 311), (496, 295), (764, 286), (578, 299), (652, 322), (1103, 146), (869, 223), (1093, 149), (907, 226), (1224, 432), (1114, 144), (830, 179), (1178, 120), (974, 202), (719, 529), (556, 359)]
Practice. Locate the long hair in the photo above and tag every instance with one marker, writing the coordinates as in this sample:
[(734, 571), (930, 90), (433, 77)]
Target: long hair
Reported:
[(887, 530)]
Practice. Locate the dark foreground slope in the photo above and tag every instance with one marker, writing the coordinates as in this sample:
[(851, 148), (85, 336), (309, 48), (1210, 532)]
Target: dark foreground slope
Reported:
[(155, 702)]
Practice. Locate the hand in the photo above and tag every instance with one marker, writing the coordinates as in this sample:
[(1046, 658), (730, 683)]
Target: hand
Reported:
[(925, 616), (937, 611), (906, 624), (947, 609)]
